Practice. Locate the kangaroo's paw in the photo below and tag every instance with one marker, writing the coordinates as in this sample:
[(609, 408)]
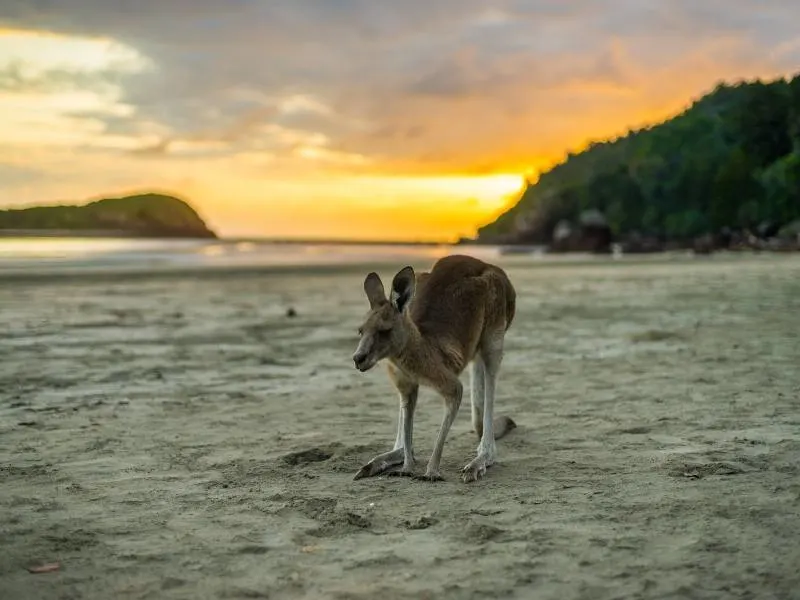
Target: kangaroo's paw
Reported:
[(381, 464), (476, 469)]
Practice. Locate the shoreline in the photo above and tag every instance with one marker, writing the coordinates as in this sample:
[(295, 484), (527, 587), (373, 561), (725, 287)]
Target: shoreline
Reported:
[(94, 234), (92, 270), (129, 236)]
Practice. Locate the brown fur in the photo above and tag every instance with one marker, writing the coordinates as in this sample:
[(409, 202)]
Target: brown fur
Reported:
[(461, 301), (433, 326)]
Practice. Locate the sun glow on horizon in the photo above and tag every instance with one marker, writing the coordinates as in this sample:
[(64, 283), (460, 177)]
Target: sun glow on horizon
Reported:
[(229, 191), (436, 209), (291, 141)]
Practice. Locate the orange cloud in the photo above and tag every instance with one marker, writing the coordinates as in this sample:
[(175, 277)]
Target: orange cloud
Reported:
[(304, 119)]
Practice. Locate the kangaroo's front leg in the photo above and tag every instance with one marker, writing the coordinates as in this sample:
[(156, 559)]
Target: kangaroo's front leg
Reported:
[(403, 453), (408, 402), (451, 391)]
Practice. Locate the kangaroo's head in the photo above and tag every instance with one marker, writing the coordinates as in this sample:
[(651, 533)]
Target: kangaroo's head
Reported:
[(383, 332)]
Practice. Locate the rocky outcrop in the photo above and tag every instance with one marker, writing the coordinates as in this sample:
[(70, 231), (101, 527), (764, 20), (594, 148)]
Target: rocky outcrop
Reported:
[(639, 243), (590, 234)]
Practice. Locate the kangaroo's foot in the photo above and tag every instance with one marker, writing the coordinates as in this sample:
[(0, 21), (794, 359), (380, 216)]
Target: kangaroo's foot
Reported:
[(383, 463), (430, 476), (477, 467), (407, 470), (402, 472)]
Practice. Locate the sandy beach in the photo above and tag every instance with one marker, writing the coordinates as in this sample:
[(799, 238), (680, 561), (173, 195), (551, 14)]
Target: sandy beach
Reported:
[(182, 437)]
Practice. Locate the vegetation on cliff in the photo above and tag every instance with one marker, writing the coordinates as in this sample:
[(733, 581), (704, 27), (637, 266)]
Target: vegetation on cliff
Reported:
[(730, 162), (143, 215)]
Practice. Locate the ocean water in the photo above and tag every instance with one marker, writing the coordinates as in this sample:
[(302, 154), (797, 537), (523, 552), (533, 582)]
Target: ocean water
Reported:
[(119, 254)]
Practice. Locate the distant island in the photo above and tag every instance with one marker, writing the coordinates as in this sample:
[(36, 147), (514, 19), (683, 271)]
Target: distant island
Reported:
[(141, 215), (725, 173)]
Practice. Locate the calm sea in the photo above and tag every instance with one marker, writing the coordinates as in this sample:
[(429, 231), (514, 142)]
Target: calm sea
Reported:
[(48, 253)]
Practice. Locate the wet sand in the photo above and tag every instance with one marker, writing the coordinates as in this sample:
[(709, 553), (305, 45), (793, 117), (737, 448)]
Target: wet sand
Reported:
[(182, 437)]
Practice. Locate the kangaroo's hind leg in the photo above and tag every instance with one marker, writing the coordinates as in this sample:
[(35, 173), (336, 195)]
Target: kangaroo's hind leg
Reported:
[(477, 387), (491, 352)]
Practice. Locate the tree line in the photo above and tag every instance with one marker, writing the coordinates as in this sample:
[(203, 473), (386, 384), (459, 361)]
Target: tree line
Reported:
[(730, 161)]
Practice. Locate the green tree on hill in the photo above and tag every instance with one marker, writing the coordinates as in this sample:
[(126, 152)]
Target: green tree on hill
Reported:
[(141, 215), (731, 160)]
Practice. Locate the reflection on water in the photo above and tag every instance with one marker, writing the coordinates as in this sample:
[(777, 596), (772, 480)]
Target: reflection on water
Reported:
[(33, 253), (54, 247)]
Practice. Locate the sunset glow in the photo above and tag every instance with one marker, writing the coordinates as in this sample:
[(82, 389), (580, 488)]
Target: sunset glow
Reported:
[(280, 123)]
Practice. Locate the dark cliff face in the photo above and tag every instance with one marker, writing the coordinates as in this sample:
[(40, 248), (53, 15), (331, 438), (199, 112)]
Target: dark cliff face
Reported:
[(144, 215)]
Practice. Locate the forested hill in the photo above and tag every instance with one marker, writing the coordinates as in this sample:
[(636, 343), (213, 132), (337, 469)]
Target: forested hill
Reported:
[(732, 160), (142, 215)]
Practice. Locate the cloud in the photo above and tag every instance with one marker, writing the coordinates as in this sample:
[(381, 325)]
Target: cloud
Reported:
[(225, 66), (281, 88), (14, 175), (17, 77)]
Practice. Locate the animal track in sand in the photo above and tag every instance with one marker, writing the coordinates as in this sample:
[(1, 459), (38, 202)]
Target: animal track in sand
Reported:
[(309, 455)]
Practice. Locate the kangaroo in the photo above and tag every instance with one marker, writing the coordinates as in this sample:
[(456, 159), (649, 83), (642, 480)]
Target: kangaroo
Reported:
[(430, 328)]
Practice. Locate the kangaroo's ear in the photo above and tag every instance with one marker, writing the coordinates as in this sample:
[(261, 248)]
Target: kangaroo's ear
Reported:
[(373, 287), (403, 287)]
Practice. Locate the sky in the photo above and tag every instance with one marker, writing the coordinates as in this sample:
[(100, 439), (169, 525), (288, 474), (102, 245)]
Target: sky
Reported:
[(363, 119)]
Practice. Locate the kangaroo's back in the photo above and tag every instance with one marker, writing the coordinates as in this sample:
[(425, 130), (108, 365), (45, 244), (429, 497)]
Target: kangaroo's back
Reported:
[(509, 295), (459, 299)]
